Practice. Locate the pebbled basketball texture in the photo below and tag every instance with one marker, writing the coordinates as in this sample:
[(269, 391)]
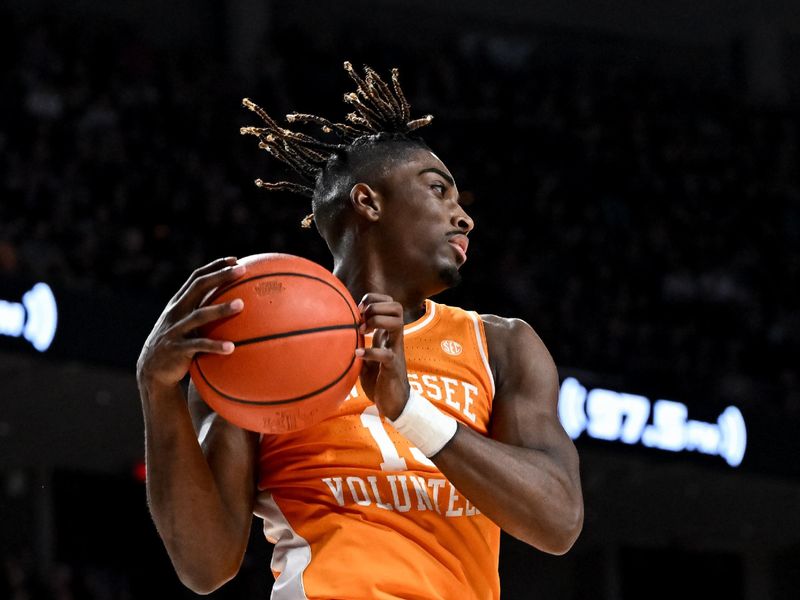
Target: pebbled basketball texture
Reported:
[(295, 339)]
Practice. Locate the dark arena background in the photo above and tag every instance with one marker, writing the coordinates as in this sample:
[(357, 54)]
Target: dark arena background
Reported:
[(632, 168)]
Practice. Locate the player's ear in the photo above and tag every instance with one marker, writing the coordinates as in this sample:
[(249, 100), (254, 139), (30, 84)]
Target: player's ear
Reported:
[(366, 202)]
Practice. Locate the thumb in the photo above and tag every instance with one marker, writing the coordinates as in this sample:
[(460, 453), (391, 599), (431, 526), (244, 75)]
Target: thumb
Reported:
[(369, 373)]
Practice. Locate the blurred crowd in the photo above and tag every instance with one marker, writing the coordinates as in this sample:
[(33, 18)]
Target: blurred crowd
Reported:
[(20, 581), (647, 226), (643, 225)]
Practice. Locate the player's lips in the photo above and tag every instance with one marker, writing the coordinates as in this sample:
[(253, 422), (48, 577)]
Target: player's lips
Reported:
[(460, 242)]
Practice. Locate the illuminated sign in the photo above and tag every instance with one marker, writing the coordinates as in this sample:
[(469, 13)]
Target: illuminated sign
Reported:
[(614, 416), (34, 319)]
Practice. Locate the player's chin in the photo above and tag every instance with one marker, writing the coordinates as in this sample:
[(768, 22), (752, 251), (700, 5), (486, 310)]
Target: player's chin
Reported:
[(450, 275)]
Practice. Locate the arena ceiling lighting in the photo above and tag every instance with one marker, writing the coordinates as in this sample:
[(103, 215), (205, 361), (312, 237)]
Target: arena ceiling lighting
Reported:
[(34, 319)]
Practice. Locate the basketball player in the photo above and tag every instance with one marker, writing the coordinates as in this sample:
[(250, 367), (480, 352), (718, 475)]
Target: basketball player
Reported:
[(451, 434)]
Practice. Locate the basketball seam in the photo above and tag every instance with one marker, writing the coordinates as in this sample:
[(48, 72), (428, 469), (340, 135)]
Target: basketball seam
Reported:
[(239, 282), (276, 336), (219, 292), (274, 402)]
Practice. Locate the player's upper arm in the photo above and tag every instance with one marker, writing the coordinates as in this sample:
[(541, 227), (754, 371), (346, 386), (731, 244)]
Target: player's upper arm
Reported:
[(231, 452), (525, 415), (525, 407)]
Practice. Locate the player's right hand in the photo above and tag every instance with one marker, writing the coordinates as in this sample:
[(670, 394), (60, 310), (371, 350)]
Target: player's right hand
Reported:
[(171, 345)]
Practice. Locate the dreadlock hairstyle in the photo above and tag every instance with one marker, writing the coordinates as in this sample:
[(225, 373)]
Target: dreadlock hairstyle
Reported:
[(376, 132)]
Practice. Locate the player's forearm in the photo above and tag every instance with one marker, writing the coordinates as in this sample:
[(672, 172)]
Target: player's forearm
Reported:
[(184, 498), (530, 494)]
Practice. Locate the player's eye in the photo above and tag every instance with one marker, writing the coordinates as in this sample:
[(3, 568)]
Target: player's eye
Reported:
[(440, 187)]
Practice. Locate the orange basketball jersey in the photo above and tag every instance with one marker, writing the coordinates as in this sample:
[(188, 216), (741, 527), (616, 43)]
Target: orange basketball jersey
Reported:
[(355, 511)]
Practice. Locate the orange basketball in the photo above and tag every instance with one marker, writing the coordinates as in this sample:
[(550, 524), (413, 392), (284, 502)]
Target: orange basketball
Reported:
[(294, 361)]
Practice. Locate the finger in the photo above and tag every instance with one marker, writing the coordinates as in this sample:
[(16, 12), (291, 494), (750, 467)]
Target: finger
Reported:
[(371, 298), (390, 323), (380, 339), (215, 265), (383, 356), (191, 346), (201, 286), (208, 314), (383, 308)]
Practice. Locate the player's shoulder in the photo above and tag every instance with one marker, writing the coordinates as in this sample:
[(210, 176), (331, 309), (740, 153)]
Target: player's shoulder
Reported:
[(506, 327), (503, 334), (511, 340)]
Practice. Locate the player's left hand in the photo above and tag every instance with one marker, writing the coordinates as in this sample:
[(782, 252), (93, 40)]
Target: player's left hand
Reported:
[(384, 377)]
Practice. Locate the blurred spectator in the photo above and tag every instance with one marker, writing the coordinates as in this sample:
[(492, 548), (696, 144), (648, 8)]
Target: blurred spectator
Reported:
[(642, 226)]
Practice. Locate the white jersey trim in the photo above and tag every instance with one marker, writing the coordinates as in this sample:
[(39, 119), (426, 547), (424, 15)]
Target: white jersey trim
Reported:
[(424, 323), (429, 306), (205, 426), (475, 321), (292, 553)]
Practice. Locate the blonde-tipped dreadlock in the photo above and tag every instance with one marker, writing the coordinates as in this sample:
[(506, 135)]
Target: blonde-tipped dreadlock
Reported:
[(378, 109)]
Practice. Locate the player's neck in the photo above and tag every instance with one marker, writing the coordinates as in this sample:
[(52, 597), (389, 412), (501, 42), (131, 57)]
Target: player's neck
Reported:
[(361, 278)]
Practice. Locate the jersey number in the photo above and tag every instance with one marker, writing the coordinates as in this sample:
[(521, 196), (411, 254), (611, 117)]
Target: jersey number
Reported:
[(392, 461)]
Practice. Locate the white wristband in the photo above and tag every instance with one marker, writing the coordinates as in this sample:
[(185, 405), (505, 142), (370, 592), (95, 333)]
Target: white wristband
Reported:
[(424, 425)]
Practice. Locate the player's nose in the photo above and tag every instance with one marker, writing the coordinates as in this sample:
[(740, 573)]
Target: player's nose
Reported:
[(462, 221)]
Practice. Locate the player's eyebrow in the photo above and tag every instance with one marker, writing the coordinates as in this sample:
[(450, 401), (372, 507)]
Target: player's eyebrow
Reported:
[(438, 172)]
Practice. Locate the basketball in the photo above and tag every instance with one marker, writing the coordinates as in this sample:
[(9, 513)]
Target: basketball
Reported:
[(295, 339)]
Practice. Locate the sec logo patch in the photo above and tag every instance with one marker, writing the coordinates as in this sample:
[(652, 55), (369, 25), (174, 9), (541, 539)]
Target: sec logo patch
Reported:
[(451, 347)]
